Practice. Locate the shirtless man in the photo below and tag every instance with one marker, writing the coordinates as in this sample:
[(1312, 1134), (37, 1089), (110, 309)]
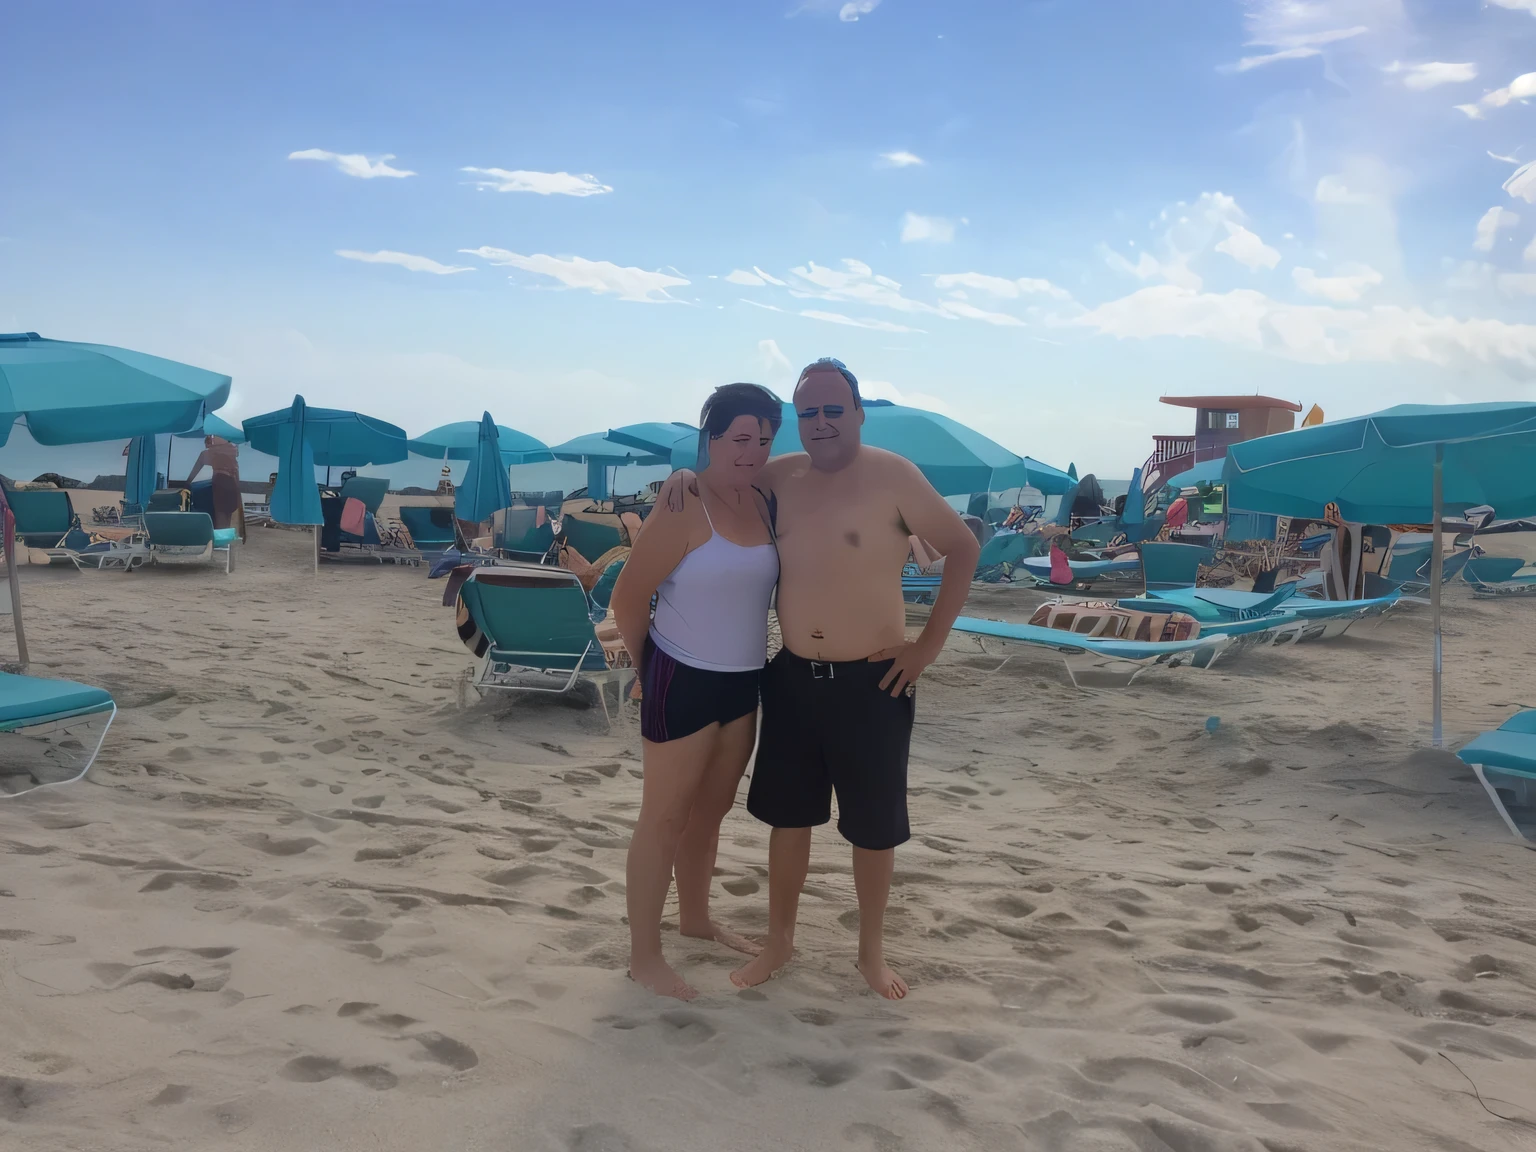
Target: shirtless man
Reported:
[(838, 699)]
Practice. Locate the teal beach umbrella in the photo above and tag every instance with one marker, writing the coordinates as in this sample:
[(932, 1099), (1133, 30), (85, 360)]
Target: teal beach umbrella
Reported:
[(214, 425), (295, 497), (600, 454), (458, 441), (1405, 465), (141, 478), (655, 438), (336, 437), (487, 489), (72, 393)]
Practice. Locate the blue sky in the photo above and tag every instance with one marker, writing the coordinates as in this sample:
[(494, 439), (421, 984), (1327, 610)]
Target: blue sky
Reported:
[(1038, 215)]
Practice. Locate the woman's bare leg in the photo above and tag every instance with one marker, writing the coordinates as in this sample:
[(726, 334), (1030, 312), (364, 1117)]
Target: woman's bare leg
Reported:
[(695, 864), (673, 771)]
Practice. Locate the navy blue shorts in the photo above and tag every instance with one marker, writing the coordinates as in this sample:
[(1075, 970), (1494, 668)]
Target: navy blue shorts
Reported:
[(678, 699)]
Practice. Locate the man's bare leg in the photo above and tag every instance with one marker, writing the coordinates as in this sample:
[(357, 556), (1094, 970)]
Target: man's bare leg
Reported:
[(673, 771), (695, 863), (872, 881), (789, 859)]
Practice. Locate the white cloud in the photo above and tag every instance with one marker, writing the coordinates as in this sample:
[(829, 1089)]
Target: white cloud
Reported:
[(852, 10), (543, 183), (1522, 185), (1522, 87), (902, 159), (404, 260), (1530, 250), (599, 276), (1521, 283), (857, 282), (353, 163), (774, 363), (771, 280), (1489, 226), (915, 228), (860, 322), (1518, 5), (1191, 229), (1343, 289), (746, 279), (1311, 333), (1293, 45), (1333, 190), (1505, 159), (1247, 248), (1432, 74), (960, 308), (998, 286)]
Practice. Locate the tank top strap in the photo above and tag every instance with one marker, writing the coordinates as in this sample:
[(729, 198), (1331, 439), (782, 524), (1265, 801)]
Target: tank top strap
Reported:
[(708, 519)]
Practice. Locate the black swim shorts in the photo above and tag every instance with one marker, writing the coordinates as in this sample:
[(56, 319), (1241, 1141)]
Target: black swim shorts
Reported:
[(826, 727), (678, 699)]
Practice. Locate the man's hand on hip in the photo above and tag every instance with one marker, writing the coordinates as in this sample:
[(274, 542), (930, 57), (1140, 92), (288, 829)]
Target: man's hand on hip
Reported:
[(908, 662)]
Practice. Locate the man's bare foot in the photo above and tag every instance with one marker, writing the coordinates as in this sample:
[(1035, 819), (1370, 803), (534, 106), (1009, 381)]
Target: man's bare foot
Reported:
[(722, 935), (763, 967), (883, 980), (657, 975)]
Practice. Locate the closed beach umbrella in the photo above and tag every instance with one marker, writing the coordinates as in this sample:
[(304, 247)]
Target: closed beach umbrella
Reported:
[(487, 488), (600, 454), (139, 483), (1405, 465), (458, 441), (71, 393), (336, 437), (295, 497), (1133, 517)]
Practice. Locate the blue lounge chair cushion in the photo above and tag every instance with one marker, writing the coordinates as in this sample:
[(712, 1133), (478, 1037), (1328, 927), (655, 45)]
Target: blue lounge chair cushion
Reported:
[(42, 515), (179, 529), (371, 490), (1510, 748), (428, 526), (224, 537), (27, 699), (1063, 640), (1493, 569)]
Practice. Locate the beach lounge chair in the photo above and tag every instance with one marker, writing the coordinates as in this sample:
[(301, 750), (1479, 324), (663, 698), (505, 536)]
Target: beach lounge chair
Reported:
[(602, 591), (1505, 763), (188, 538), (524, 534), (43, 518), (430, 529), (918, 586), (521, 618), (1499, 576), (1086, 655), (1165, 565), (50, 731)]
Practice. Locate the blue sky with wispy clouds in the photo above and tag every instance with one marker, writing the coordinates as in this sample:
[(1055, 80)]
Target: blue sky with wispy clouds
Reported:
[(1039, 215)]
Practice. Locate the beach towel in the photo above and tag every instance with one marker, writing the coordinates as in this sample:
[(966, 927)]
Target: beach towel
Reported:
[(1061, 567), (352, 514)]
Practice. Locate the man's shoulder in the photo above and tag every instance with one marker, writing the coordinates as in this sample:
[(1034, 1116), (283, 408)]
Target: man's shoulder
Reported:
[(781, 468)]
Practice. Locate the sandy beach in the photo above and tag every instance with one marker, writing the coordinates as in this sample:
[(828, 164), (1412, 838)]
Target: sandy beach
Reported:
[(308, 899)]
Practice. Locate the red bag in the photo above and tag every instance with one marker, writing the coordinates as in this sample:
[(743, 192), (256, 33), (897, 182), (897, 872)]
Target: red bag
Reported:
[(1061, 568)]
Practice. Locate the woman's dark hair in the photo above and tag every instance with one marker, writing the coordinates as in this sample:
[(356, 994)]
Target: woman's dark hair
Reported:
[(729, 401)]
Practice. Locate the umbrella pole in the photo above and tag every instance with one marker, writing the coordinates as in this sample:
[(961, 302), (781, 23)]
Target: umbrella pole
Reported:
[(1436, 569), (171, 443)]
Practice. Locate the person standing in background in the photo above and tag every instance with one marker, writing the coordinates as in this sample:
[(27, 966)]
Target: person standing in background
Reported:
[(224, 459)]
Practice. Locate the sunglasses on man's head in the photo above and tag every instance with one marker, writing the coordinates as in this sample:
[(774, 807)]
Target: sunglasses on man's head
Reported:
[(830, 411)]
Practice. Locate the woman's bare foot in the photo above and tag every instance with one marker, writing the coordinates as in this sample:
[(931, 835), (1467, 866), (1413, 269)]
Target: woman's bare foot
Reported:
[(658, 976), (882, 980), (764, 966), (722, 935)]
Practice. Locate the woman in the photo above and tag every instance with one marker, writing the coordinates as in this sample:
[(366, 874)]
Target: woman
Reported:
[(224, 459), (711, 566)]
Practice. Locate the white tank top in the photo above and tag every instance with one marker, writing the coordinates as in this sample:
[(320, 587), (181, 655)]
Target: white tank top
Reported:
[(712, 610)]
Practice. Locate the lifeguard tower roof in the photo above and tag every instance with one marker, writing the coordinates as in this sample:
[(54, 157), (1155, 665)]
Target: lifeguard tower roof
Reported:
[(1237, 402)]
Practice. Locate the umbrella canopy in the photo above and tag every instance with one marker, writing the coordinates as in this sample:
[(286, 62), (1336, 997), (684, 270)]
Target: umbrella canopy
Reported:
[(655, 438), (1408, 464), (214, 425), (295, 497), (1378, 468), (1133, 517), (142, 476), (956, 460), (71, 393), (1205, 472), (1030, 473), (335, 437), (487, 488), (458, 441), (601, 454)]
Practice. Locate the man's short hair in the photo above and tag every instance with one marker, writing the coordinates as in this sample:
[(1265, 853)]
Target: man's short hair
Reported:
[(831, 363)]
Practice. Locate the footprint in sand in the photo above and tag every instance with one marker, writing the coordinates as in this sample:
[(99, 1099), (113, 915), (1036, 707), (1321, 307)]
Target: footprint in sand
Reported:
[(599, 1138), (265, 843), (316, 1069)]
